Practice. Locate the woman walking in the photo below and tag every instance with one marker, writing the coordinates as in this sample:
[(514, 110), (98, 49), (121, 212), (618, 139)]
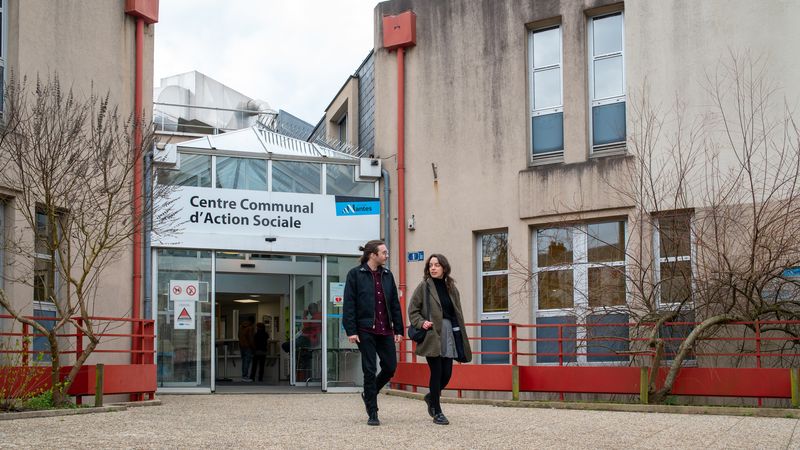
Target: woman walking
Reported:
[(436, 307)]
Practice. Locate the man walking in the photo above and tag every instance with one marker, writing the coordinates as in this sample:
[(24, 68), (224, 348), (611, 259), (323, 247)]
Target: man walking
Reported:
[(372, 319)]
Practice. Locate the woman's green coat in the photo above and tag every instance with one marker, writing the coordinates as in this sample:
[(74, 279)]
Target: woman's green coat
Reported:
[(432, 345)]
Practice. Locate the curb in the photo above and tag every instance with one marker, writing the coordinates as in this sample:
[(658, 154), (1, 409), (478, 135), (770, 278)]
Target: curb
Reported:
[(60, 412), (618, 407), (154, 402)]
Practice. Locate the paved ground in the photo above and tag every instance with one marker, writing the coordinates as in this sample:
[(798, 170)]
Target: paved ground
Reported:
[(339, 421)]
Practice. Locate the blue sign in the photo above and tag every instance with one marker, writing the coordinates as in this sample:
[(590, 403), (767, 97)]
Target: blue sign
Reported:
[(416, 256), (793, 272), (357, 206)]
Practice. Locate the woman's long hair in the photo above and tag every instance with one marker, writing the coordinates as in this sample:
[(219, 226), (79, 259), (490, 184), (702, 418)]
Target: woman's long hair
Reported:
[(449, 281), (370, 248)]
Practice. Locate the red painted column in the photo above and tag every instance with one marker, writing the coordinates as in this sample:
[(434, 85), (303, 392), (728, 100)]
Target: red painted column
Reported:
[(401, 177)]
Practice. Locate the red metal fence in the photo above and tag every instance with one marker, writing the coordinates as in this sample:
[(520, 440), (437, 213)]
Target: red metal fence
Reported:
[(117, 336), (737, 360)]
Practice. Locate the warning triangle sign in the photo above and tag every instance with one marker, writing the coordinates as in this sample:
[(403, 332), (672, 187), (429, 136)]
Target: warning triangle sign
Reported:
[(184, 314)]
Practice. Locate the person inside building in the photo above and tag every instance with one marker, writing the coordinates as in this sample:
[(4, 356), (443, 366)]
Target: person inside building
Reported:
[(436, 306), (246, 346), (260, 347), (308, 340), (373, 320)]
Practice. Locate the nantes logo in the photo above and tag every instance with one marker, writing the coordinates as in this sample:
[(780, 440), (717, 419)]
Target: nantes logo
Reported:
[(357, 206)]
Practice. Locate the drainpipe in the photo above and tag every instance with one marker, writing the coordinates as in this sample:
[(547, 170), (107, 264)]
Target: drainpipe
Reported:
[(400, 32), (143, 11), (401, 173), (137, 188), (148, 225), (387, 214)]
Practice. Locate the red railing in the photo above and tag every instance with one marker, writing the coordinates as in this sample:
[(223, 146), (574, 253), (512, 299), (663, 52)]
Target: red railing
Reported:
[(137, 379), (738, 360)]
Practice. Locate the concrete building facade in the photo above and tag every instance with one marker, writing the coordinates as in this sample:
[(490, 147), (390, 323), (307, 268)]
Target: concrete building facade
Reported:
[(91, 48), (520, 120)]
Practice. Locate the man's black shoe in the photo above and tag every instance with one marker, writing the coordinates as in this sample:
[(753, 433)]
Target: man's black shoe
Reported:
[(440, 419), (373, 419), (428, 402)]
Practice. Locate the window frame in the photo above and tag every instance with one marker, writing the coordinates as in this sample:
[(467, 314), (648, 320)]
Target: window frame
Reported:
[(533, 112), (658, 259), (606, 100), (580, 265), (489, 315)]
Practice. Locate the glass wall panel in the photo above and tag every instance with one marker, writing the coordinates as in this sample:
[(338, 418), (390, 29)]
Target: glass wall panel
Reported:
[(341, 180), (293, 176), (241, 173), (195, 170), (184, 355)]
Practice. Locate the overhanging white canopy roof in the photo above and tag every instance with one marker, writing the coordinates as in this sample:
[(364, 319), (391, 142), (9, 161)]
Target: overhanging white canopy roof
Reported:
[(257, 140)]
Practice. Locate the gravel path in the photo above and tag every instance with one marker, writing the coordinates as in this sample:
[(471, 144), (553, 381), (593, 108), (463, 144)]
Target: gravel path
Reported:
[(339, 421)]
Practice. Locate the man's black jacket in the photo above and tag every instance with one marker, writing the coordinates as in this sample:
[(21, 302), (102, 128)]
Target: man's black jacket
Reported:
[(359, 300)]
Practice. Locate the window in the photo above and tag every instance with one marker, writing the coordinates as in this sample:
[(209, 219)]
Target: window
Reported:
[(342, 129), (341, 180), (44, 280), (493, 296), (673, 251), (301, 177), (241, 173), (547, 111), (607, 81), (580, 278), (195, 171)]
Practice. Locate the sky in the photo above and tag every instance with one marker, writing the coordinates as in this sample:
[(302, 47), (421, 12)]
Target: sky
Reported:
[(294, 54)]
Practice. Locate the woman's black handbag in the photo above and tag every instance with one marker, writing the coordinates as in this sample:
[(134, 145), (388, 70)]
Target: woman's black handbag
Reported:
[(418, 334)]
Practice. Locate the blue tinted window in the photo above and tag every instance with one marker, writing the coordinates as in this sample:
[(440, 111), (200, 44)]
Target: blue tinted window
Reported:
[(40, 343), (605, 342), (548, 133), (547, 351), (495, 346), (608, 123)]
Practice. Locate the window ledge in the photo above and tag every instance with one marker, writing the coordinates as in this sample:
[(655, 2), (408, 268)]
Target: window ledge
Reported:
[(612, 150), (545, 160)]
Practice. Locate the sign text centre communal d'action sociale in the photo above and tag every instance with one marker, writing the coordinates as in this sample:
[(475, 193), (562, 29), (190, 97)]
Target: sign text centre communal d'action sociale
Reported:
[(246, 204)]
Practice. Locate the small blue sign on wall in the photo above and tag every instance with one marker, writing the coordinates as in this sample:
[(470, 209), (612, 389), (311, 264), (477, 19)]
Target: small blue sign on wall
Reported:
[(793, 272), (416, 256)]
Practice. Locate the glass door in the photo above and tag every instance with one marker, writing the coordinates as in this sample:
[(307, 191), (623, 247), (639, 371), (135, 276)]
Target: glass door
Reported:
[(343, 360), (184, 320), (307, 326)]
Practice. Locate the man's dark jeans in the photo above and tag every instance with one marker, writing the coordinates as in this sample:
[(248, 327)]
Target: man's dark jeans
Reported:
[(370, 346)]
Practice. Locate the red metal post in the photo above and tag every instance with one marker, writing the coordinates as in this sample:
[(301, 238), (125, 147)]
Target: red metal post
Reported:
[(514, 361), (79, 339), (561, 353), (25, 344)]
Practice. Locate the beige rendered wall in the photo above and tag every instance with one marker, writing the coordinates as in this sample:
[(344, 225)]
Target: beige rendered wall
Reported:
[(91, 46), (467, 112)]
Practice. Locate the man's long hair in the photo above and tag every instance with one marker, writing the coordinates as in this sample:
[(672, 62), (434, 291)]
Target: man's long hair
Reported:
[(370, 248)]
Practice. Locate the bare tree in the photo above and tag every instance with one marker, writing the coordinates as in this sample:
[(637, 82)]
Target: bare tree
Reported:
[(69, 160)]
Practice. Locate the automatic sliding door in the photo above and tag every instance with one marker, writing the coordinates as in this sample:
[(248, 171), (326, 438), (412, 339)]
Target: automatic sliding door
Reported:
[(184, 327), (343, 359)]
